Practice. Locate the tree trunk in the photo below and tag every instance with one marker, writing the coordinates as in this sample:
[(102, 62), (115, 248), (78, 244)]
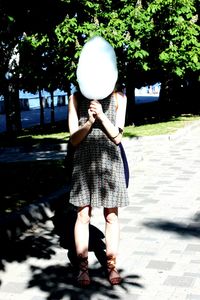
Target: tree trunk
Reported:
[(130, 93), (8, 109), (52, 108), (41, 109), (68, 95), (17, 109), (12, 109), (166, 98)]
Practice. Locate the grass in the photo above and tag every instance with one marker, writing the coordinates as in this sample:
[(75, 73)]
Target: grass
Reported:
[(37, 139), (165, 127), (57, 134), (37, 135)]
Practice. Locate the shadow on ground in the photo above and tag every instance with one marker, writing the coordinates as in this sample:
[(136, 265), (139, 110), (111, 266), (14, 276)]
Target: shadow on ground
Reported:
[(30, 244), (24, 182), (42, 241), (190, 229), (58, 282)]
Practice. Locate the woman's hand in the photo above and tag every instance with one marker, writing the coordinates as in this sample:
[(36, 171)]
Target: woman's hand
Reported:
[(91, 117), (96, 109)]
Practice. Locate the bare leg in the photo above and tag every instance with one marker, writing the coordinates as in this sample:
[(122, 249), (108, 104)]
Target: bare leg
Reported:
[(112, 243), (81, 234), (112, 231)]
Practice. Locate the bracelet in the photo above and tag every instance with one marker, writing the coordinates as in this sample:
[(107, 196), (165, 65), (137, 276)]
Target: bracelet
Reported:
[(120, 132), (114, 137)]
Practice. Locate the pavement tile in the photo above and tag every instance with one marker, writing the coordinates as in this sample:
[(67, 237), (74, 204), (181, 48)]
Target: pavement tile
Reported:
[(193, 297), (180, 281), (195, 261), (13, 287), (144, 253), (192, 274), (193, 248), (160, 265), (131, 229)]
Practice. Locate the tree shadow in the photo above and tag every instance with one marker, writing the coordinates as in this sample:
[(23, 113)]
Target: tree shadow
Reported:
[(42, 242), (58, 281), (29, 180), (64, 221), (107, 183), (24, 230), (32, 243), (62, 279), (190, 229)]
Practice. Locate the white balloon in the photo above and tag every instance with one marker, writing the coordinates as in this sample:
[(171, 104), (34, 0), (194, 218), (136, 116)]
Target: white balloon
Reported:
[(97, 69)]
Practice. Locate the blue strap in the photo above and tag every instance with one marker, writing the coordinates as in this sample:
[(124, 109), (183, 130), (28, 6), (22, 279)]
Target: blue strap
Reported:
[(125, 162)]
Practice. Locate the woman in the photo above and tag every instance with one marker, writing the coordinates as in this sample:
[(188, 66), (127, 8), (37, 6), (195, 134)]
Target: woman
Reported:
[(96, 129)]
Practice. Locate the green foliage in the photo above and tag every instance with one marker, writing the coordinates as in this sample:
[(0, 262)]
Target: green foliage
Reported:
[(177, 35), (157, 36)]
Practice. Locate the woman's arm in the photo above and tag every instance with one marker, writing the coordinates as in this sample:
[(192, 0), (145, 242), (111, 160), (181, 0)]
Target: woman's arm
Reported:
[(77, 134), (114, 131)]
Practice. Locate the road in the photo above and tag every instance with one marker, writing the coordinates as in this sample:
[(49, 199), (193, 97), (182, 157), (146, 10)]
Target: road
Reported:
[(145, 99), (32, 117)]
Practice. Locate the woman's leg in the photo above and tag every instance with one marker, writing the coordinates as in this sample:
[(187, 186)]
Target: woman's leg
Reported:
[(81, 230), (81, 234), (112, 243), (112, 231)]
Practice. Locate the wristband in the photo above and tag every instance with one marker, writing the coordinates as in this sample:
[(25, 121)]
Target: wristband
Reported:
[(120, 132)]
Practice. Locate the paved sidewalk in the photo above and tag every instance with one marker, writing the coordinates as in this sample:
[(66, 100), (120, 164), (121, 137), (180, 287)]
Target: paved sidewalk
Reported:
[(159, 253)]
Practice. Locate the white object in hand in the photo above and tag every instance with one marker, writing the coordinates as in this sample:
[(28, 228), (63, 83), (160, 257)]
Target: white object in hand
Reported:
[(97, 69)]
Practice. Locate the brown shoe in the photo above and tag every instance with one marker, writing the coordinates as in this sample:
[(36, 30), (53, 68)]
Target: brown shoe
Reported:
[(113, 275), (83, 278)]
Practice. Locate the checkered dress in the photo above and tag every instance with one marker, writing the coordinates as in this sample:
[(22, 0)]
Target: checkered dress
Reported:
[(98, 174)]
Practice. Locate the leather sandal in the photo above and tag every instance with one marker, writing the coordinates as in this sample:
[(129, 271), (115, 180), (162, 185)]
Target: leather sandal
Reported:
[(113, 275), (83, 278)]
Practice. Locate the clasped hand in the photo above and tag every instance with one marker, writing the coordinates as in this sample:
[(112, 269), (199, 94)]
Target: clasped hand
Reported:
[(95, 110)]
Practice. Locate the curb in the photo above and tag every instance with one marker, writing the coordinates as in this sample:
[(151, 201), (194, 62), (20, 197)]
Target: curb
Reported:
[(26, 149)]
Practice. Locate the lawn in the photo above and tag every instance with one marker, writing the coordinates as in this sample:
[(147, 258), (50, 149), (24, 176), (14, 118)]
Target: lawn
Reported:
[(165, 127)]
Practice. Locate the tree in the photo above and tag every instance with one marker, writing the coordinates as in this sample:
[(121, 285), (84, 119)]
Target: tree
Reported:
[(17, 18), (177, 43), (154, 41), (9, 71)]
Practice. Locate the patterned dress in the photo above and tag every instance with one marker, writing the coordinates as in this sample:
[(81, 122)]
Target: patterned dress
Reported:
[(98, 173)]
